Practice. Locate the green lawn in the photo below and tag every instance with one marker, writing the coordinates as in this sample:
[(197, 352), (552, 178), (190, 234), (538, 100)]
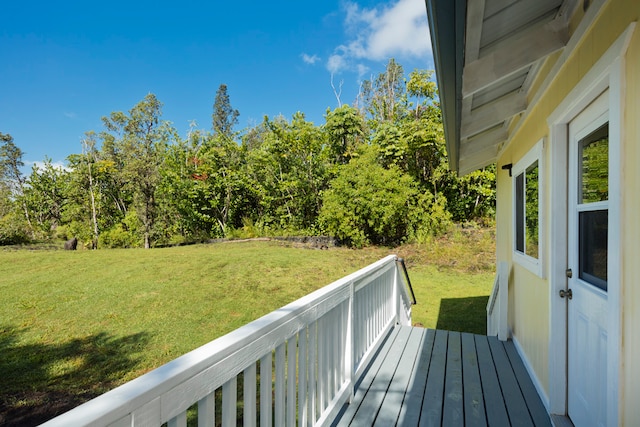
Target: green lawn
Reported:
[(76, 324)]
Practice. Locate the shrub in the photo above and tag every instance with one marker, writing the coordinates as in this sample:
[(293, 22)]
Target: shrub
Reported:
[(430, 219), (13, 230), (369, 204), (123, 235)]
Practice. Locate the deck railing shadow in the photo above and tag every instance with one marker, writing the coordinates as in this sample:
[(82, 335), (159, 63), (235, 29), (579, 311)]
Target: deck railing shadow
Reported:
[(463, 314), (39, 381)]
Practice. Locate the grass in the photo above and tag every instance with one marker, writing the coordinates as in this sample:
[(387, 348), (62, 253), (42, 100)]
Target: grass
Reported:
[(76, 324)]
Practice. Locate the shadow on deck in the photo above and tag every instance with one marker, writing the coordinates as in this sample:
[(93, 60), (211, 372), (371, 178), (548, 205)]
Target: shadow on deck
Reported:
[(425, 377)]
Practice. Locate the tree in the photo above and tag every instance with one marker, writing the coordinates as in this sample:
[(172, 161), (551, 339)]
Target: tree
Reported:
[(204, 179), (139, 143), (10, 165), (289, 171), (45, 196), (14, 228), (345, 129), (224, 117), (368, 203), (90, 154), (381, 97), (86, 212)]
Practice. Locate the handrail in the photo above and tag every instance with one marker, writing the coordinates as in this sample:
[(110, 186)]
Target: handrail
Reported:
[(494, 295), (497, 306), (406, 276), (319, 346)]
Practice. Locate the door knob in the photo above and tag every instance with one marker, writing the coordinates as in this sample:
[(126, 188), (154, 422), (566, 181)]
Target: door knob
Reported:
[(568, 293)]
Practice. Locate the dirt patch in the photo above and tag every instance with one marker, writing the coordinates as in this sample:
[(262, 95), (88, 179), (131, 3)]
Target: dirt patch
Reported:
[(33, 408)]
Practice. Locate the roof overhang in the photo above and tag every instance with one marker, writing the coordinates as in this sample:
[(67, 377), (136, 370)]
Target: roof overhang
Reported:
[(487, 54)]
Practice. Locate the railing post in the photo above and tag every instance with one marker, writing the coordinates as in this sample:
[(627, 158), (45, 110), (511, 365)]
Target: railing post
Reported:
[(396, 291), (503, 300), (350, 344)]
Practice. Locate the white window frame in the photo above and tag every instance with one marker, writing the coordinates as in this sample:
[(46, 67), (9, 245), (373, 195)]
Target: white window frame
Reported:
[(535, 265)]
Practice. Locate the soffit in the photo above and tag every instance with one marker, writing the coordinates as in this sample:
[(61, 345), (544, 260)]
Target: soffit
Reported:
[(487, 54)]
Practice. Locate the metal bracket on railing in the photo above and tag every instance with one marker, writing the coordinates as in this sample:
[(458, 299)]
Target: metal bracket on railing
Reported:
[(406, 275)]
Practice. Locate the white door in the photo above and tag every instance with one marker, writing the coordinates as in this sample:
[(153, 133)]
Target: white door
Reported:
[(588, 222)]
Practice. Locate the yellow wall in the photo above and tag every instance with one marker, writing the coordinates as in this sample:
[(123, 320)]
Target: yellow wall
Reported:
[(528, 294), (529, 299), (631, 238)]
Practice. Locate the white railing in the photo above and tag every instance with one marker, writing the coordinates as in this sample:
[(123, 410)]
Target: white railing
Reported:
[(497, 321), (297, 365)]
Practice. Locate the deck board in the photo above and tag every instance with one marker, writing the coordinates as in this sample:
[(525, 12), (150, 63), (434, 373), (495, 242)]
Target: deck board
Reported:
[(365, 383), (515, 403), (452, 411), (473, 399), (412, 405), (373, 399), (536, 408), (390, 408), (434, 393), (493, 400), (424, 377)]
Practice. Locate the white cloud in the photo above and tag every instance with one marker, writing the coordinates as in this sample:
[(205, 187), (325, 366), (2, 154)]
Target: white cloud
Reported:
[(41, 165), (336, 63), (70, 115), (362, 70), (377, 34), (310, 59)]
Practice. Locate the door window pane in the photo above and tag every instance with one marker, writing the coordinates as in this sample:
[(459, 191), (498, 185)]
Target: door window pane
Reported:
[(594, 167), (593, 247)]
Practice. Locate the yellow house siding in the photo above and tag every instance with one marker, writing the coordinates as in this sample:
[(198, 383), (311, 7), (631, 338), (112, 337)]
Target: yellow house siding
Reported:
[(528, 315), (531, 311), (529, 294), (631, 239)]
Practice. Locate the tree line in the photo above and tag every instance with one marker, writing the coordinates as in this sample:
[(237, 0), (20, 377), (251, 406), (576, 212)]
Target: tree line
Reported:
[(374, 173)]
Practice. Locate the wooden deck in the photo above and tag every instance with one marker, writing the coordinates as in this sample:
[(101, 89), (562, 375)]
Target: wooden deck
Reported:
[(424, 377)]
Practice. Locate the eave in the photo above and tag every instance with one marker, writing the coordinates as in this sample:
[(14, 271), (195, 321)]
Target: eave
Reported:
[(487, 54)]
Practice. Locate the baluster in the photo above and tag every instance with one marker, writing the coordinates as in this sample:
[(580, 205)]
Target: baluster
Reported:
[(322, 365), (249, 396), (280, 386), (303, 369), (291, 380), (179, 420), (330, 352), (266, 384), (230, 402), (313, 365), (207, 411)]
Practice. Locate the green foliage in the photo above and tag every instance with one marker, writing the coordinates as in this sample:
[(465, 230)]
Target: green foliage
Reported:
[(421, 85), (430, 220), (369, 204), (224, 117), (205, 186), (271, 179), (140, 140), (13, 229), (471, 196), (45, 196), (288, 172), (125, 234), (382, 95), (345, 129)]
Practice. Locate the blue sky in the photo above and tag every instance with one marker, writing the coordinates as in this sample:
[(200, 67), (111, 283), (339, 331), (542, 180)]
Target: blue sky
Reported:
[(67, 64)]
